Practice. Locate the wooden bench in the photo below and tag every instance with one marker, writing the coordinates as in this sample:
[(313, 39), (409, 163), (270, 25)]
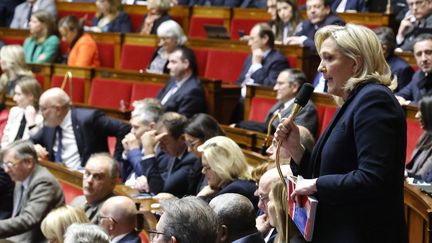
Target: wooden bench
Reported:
[(418, 214)]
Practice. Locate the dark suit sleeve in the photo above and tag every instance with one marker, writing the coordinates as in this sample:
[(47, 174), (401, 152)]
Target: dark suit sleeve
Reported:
[(177, 182), (308, 117), (122, 24), (404, 76), (270, 70), (192, 103), (378, 131), (112, 127), (407, 92), (39, 203)]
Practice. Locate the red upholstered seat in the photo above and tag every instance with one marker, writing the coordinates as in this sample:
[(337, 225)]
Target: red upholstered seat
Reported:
[(325, 114), (197, 26), (136, 57), (110, 93), (243, 25), (259, 108), (201, 58), (40, 78), (70, 191), (144, 90), (12, 40), (225, 65), (414, 132), (292, 60), (106, 54), (136, 21), (4, 114), (78, 87)]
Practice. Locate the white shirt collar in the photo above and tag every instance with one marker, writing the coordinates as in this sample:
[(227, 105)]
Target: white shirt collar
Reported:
[(67, 120)]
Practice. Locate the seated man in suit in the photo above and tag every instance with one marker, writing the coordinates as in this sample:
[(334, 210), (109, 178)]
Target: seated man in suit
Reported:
[(23, 12), (287, 86), (100, 176), (36, 193), (417, 22), (71, 135), (265, 63), (319, 15), (265, 185), (167, 162), (341, 6), (144, 117), (183, 93), (421, 83), (236, 216), (399, 67), (118, 217)]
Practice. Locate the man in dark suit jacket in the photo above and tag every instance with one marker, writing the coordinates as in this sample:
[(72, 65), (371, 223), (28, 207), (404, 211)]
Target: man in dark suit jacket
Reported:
[(36, 193), (118, 218), (82, 132), (183, 93), (287, 87), (264, 64), (168, 169), (350, 6), (421, 83), (236, 216), (7, 9), (319, 15)]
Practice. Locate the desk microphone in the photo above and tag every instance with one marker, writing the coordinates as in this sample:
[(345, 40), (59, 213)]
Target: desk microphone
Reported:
[(300, 101)]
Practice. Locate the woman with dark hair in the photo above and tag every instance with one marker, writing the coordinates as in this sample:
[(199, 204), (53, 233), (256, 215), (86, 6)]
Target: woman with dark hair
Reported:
[(420, 166), (42, 46), (201, 128), (110, 18), (288, 19), (83, 51)]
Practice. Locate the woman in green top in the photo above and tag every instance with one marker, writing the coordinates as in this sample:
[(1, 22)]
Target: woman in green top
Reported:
[(43, 45)]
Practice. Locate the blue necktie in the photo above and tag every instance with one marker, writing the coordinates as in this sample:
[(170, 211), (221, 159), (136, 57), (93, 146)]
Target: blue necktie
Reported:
[(58, 153)]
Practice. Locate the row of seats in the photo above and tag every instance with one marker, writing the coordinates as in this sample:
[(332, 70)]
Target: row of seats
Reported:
[(193, 19), (134, 52)]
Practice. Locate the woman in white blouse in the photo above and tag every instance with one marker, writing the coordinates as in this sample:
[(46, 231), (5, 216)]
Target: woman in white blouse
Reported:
[(24, 119)]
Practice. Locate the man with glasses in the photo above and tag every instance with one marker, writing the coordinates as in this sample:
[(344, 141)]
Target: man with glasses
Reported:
[(71, 135), (265, 185), (144, 117), (416, 22), (100, 176), (318, 15), (118, 217), (189, 219), (36, 193)]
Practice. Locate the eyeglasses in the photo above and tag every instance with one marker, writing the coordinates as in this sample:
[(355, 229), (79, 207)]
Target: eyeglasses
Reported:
[(44, 108), (263, 198), (206, 168), (154, 235), (10, 164), (95, 176), (100, 218), (191, 144)]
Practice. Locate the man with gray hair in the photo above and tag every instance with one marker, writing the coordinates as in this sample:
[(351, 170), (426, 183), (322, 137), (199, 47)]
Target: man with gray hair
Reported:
[(99, 179), (145, 115), (36, 193), (236, 216), (188, 219)]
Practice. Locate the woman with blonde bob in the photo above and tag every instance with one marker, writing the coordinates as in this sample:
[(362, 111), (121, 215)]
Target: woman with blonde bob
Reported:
[(54, 225), (226, 169), (356, 168), (14, 67)]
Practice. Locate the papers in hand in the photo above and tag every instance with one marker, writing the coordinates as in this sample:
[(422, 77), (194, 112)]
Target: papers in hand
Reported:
[(302, 212)]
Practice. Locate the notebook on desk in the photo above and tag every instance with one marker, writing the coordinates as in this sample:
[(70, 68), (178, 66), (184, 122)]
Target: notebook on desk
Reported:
[(216, 32)]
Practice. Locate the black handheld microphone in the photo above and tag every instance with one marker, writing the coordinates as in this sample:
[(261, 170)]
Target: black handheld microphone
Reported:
[(300, 101)]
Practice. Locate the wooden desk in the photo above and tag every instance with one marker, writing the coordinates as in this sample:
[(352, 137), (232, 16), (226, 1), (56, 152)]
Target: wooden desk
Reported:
[(418, 214)]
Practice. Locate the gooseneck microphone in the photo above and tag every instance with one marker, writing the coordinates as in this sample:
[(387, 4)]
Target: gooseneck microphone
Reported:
[(300, 101)]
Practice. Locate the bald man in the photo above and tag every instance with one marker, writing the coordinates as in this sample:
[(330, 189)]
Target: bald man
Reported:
[(71, 135), (265, 185), (118, 217)]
